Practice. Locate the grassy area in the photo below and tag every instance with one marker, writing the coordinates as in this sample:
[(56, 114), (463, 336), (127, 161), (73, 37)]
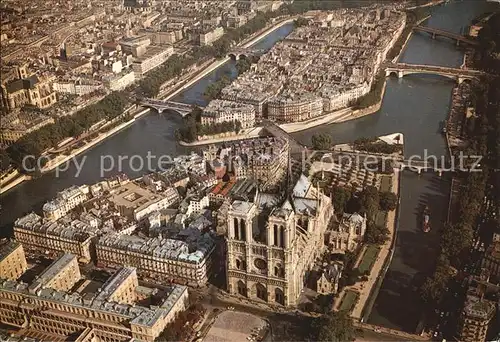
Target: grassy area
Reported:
[(349, 300), (369, 258), (385, 183), (380, 218)]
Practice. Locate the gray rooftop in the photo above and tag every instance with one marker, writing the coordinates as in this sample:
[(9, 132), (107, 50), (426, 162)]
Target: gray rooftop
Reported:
[(115, 282), (136, 314), (7, 247), (53, 270), (161, 248)]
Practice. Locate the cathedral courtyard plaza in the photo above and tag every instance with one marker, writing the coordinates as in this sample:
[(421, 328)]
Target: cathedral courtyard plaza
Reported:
[(232, 326)]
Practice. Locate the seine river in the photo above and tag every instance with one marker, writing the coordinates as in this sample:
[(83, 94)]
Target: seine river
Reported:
[(414, 106)]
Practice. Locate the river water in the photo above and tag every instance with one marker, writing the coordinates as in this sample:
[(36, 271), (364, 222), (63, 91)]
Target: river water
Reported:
[(414, 106), (153, 133)]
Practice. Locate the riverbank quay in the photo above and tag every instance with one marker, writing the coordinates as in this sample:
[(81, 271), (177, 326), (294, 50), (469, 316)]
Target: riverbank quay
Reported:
[(185, 82), (6, 185), (339, 116), (61, 159), (431, 3), (409, 27), (292, 127)]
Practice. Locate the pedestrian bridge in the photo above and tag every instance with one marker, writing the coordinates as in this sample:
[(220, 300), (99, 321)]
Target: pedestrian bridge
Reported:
[(245, 53), (337, 161), (437, 32), (160, 106), (420, 166), (402, 69)]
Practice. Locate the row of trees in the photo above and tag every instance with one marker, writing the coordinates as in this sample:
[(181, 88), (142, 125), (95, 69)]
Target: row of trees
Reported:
[(192, 128), (35, 143), (322, 142), (374, 95), (369, 201), (244, 64), (214, 90), (150, 85), (375, 145), (333, 327), (484, 139)]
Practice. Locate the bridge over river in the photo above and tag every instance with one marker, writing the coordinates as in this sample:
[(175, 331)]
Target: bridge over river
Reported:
[(402, 69), (437, 32), (160, 106)]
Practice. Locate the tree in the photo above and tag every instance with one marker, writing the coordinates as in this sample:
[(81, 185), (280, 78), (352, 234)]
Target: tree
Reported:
[(341, 196), (243, 65), (434, 286), (321, 141), (4, 160), (335, 327), (369, 201), (388, 201), (301, 21), (376, 234)]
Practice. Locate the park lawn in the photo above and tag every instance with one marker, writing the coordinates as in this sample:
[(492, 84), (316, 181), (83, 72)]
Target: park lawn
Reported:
[(369, 258), (385, 183), (349, 300), (380, 218)]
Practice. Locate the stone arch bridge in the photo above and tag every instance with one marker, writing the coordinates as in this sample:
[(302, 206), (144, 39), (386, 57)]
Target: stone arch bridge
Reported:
[(437, 32), (160, 106), (460, 75), (245, 53)]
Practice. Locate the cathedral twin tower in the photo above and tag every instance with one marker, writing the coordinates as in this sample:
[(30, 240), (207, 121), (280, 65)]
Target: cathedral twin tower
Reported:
[(270, 251)]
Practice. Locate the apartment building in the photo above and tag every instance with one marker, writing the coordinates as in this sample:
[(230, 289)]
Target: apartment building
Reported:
[(294, 107), (491, 259), (90, 316), (211, 35), (65, 201), (137, 202), (12, 260), (152, 58), (476, 316), (219, 111), (51, 238), (61, 275), (17, 124), (121, 287), (120, 81), (264, 159), (76, 87), (158, 258)]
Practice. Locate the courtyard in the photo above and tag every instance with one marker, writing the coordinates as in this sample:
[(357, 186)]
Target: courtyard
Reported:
[(230, 326)]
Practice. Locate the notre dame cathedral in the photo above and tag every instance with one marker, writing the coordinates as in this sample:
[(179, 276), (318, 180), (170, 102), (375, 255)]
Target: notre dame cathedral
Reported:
[(274, 241)]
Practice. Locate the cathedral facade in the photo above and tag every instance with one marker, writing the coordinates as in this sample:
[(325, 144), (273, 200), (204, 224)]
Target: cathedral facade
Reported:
[(272, 243)]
